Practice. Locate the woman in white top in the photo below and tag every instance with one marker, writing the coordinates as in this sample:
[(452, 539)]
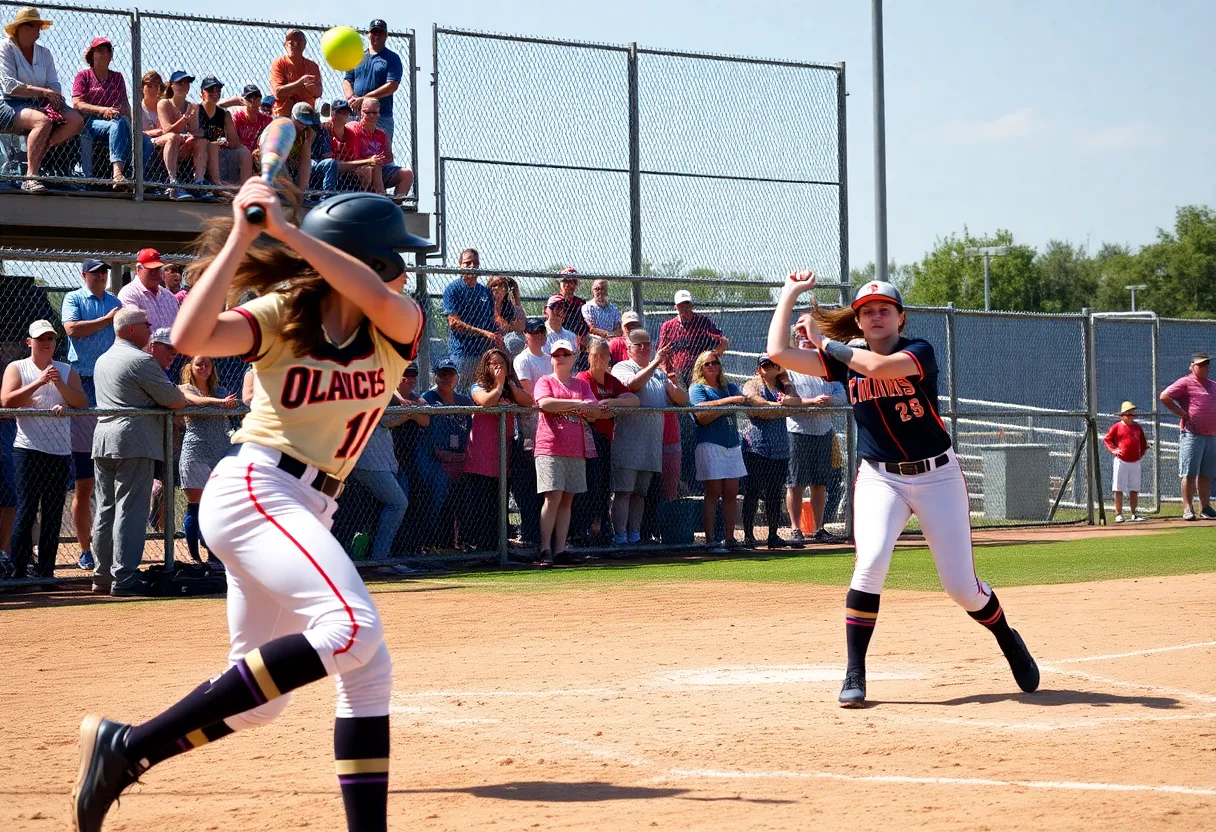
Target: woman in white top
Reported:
[(43, 446), (168, 143), (179, 116), (31, 87)]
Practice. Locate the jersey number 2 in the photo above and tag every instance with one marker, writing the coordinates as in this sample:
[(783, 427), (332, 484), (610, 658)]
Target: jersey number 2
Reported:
[(902, 409), (357, 430)]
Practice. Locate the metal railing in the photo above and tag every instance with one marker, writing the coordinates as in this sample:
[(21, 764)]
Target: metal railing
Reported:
[(236, 51)]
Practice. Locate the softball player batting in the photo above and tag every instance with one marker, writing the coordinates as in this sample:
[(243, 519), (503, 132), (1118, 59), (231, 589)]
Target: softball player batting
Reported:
[(330, 334), (907, 465)]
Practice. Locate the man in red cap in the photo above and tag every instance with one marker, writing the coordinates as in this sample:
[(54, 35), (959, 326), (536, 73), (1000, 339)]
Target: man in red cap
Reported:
[(148, 291)]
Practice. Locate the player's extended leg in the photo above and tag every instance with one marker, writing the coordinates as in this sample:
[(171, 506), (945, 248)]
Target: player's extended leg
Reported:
[(942, 505), (881, 513)]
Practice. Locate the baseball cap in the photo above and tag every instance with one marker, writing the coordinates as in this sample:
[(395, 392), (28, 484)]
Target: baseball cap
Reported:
[(1199, 358), (339, 104), (96, 42), (129, 315), (1125, 407), (292, 33), (377, 24), (568, 273), (41, 327), (639, 336), (683, 296), (251, 90), (631, 317), (764, 359), (411, 370), (180, 75), (305, 114), (149, 258), (161, 336), (534, 325), (878, 290), (93, 266), (555, 300), (268, 101), (561, 344), (445, 364), (211, 81)]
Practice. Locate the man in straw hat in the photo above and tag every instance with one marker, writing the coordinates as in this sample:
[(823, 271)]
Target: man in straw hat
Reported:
[(1126, 441), (31, 89)]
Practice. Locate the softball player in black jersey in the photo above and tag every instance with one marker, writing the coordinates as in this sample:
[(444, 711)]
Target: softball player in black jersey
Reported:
[(906, 463)]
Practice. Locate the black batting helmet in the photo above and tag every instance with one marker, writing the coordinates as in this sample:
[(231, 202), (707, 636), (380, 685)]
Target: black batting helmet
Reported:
[(368, 227)]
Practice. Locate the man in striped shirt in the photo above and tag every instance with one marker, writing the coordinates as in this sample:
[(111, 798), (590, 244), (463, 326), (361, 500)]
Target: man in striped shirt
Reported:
[(148, 292)]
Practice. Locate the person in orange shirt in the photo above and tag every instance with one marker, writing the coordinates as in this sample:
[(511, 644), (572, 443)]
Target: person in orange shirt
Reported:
[(1127, 442), (294, 78)]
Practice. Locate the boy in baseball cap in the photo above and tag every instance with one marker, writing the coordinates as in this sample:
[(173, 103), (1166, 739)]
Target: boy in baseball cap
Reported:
[(1127, 442)]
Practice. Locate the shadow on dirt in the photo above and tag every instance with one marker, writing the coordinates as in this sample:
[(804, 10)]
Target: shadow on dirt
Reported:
[(1049, 698)]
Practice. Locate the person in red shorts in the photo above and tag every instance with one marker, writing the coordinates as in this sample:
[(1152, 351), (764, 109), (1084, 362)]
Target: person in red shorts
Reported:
[(1127, 442)]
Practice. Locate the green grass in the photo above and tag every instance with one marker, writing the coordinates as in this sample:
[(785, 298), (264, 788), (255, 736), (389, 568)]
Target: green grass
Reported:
[(1181, 552)]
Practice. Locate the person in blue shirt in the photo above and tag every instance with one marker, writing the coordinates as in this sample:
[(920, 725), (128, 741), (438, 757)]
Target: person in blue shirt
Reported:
[(719, 452), (377, 76), (88, 318), (469, 307), (450, 434), (907, 464)]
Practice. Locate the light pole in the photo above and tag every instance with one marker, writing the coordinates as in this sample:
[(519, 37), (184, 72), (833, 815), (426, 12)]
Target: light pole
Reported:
[(987, 252), (1139, 287), (880, 146)]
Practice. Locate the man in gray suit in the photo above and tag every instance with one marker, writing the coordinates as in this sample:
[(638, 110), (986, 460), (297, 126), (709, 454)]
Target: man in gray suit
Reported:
[(124, 450)]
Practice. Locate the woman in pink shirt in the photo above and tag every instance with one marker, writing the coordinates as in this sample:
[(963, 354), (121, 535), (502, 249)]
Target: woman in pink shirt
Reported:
[(495, 383), (563, 444)]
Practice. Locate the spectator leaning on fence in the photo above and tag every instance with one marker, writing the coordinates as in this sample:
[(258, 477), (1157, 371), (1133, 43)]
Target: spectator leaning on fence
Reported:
[(377, 76), (811, 437), (469, 307), (591, 519), (766, 448), (495, 384), (530, 366), (100, 95), (88, 318), (294, 78), (124, 451), (147, 290), (562, 448), (618, 347), (1127, 442), (719, 453), (43, 447), (219, 129), (689, 334), (179, 117), (603, 319), (31, 89), (204, 442), (637, 445), (1193, 399)]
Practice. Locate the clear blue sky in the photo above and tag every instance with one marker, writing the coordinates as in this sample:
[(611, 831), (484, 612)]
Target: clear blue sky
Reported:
[(1054, 120)]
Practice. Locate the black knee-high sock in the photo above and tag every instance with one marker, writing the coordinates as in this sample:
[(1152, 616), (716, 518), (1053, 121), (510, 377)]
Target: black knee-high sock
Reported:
[(993, 617), (265, 673), (193, 740), (361, 761), (860, 616)]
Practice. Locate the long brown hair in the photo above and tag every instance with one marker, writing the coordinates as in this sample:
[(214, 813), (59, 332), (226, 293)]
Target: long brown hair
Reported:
[(266, 268), (839, 324), (485, 379)]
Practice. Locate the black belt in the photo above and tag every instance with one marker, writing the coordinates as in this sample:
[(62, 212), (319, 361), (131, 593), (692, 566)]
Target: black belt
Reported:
[(328, 485), (911, 469)]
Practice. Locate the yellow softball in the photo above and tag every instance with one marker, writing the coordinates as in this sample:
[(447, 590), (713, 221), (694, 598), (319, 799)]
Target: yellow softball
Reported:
[(342, 48)]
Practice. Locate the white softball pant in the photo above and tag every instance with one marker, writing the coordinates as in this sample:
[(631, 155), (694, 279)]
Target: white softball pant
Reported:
[(883, 503), (287, 574)]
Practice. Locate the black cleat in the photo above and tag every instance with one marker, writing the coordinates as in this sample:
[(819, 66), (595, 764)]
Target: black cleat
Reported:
[(853, 693), (1025, 670), (104, 771)]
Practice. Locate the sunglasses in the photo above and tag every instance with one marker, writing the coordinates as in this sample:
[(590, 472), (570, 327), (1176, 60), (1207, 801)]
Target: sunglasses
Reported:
[(561, 355), (712, 364), (767, 365)]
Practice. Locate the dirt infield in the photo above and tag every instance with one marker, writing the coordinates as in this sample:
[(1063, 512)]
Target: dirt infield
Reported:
[(705, 706)]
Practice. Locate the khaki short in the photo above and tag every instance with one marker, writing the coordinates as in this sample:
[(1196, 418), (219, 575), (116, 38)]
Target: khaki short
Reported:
[(630, 481)]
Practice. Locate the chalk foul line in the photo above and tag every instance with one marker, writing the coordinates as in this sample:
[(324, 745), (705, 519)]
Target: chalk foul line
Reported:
[(1133, 653)]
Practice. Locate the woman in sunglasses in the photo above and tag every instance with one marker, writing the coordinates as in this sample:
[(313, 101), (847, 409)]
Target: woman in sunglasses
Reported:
[(719, 452)]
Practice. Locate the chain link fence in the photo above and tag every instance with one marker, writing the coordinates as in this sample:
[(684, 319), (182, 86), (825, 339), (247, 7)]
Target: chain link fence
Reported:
[(165, 43)]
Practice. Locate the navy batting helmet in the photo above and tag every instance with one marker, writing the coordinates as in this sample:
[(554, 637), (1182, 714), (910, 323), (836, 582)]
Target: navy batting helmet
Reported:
[(368, 227), (878, 290)]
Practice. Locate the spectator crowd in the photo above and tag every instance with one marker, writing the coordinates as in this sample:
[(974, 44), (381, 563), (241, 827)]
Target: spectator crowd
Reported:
[(192, 147)]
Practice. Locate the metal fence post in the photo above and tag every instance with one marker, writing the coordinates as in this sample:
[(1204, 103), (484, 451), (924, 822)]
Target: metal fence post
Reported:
[(414, 108), (842, 174), (1154, 348), (850, 472), (439, 224), (137, 112), (168, 492), (502, 489), (635, 185), (422, 296), (952, 374), (1091, 404)]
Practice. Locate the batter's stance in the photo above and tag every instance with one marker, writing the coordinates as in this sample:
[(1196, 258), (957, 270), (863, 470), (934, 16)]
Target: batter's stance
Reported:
[(330, 335), (907, 465)]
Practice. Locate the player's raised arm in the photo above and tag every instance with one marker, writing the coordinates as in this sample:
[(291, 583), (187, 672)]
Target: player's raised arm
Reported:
[(779, 350)]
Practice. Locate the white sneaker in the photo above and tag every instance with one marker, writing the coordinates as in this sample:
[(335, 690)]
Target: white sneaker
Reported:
[(1119, 518), (1188, 514), (1136, 518)]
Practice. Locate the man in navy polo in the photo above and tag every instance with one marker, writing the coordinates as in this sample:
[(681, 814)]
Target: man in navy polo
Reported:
[(377, 76), (88, 319), (469, 307)]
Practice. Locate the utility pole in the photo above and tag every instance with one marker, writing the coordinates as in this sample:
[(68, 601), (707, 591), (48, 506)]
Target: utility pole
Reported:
[(880, 148), (987, 252)]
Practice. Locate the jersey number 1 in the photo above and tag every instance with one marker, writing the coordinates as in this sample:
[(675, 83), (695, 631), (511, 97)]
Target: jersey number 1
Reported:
[(357, 431), (902, 409)]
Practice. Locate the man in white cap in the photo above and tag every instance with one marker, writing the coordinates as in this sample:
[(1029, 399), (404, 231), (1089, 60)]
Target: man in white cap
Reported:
[(160, 346), (125, 449), (689, 334), (618, 347)]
